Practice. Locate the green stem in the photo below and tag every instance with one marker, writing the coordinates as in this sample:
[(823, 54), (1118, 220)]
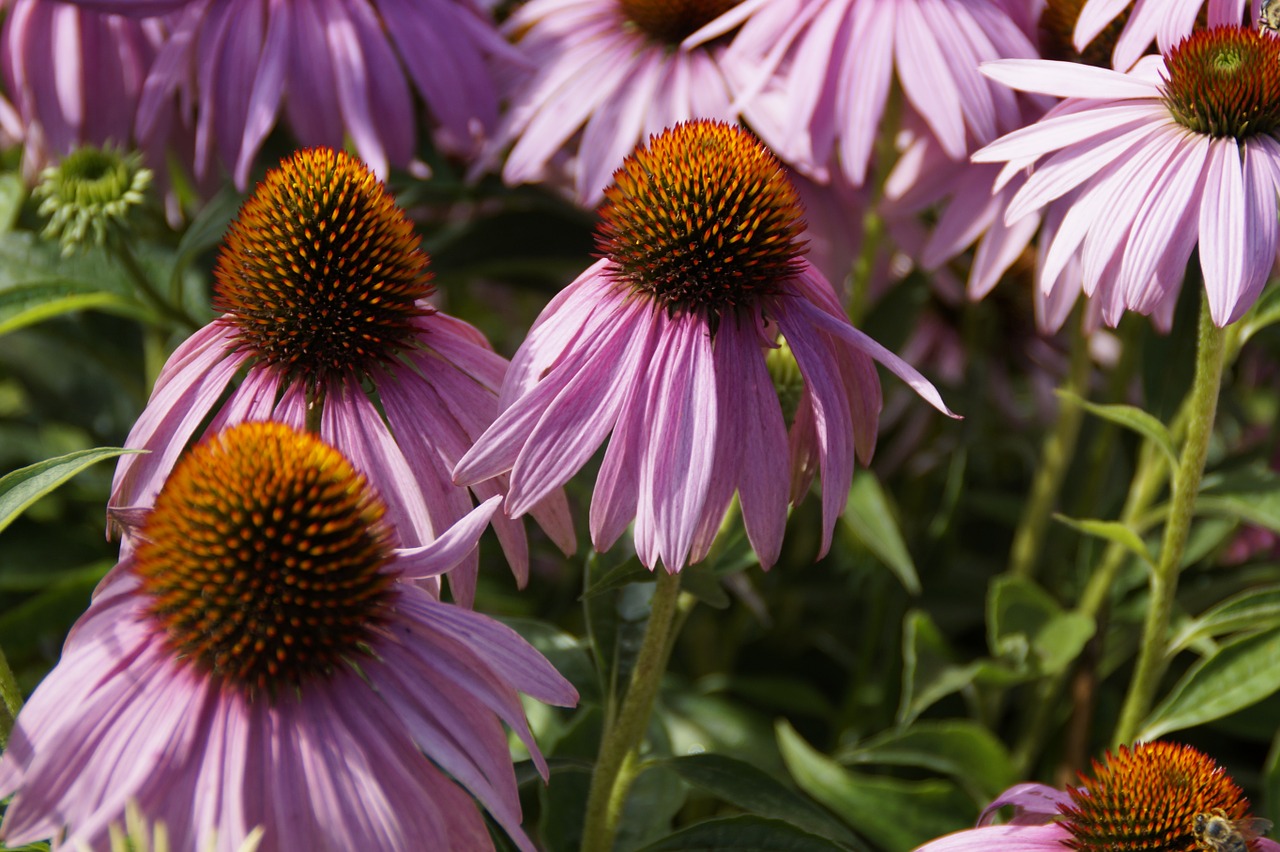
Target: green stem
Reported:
[(1149, 478), (618, 762), (142, 281), (1055, 457), (1186, 485), (10, 700)]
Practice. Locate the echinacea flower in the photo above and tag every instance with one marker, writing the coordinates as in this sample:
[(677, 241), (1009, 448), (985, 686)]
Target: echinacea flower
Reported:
[(339, 68), (663, 342), (607, 74), (75, 76), (817, 74), (322, 282), (1139, 169), (1149, 796), (265, 658), (1165, 22)]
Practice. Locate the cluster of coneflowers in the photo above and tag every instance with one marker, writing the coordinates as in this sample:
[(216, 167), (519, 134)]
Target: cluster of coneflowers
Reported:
[(275, 651)]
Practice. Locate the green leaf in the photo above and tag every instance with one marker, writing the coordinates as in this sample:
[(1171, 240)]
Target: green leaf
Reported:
[(703, 582), (757, 792), (1133, 418), (615, 578), (929, 674), (1026, 625), (742, 834), (1240, 674), (892, 813), (1251, 495), (22, 487), (33, 303), (13, 191), (966, 751), (653, 801), (1251, 610), (1113, 531), (869, 518)]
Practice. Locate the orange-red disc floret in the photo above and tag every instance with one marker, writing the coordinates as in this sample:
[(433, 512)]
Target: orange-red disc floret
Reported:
[(263, 558), (1147, 798), (321, 273), (1224, 82), (702, 219)]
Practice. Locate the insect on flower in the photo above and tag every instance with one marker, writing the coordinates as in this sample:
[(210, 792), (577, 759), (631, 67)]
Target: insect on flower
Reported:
[(1215, 832), (1269, 16)]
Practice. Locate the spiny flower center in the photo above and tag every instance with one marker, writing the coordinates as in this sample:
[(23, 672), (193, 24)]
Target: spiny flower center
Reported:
[(1149, 797), (321, 272), (702, 220), (1224, 82), (89, 195), (263, 558), (1057, 34), (672, 21)]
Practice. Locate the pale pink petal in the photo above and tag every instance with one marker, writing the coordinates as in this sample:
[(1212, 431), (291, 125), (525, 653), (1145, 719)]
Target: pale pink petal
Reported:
[(1006, 838), (1067, 79), (676, 466), (1223, 238)]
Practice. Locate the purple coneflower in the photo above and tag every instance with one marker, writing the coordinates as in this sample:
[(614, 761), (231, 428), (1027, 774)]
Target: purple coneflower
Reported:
[(340, 68), (265, 658), (663, 342), (1180, 152), (832, 63), (607, 74), (75, 77), (1165, 22), (1151, 796), (322, 282)]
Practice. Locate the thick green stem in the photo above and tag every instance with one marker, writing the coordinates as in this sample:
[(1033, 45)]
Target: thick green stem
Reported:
[(10, 700), (618, 760), (1153, 648), (1055, 457)]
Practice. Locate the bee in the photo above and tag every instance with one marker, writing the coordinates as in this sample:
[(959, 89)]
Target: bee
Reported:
[(1215, 832), (1269, 16)]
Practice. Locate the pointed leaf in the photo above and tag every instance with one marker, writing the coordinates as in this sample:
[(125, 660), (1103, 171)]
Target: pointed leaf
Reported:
[(964, 750), (1026, 625), (892, 813), (869, 518), (1133, 418), (1253, 609), (22, 487), (757, 792), (743, 834), (1240, 674), (1113, 531)]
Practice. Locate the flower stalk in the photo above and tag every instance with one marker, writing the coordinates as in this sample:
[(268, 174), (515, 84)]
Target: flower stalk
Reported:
[(618, 762), (1202, 409), (1055, 457), (10, 700)]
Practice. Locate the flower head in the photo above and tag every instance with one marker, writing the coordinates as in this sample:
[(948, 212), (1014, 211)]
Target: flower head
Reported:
[(817, 74), (76, 78), (1142, 22), (335, 68), (322, 280), (1149, 796), (662, 342), (1181, 152), (265, 654), (89, 195), (607, 74)]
